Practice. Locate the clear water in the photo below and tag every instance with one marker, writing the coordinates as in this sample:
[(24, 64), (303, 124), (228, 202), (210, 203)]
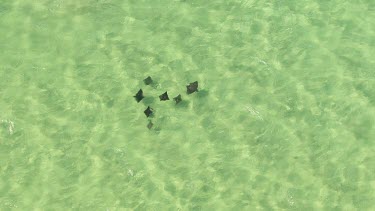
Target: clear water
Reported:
[(284, 119)]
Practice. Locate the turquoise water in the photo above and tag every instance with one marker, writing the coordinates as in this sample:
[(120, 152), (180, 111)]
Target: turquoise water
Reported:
[(283, 120)]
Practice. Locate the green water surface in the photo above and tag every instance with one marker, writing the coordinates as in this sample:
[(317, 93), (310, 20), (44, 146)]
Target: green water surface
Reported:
[(284, 118)]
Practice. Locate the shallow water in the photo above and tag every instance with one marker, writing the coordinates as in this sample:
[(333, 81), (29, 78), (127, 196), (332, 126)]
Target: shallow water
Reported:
[(284, 116)]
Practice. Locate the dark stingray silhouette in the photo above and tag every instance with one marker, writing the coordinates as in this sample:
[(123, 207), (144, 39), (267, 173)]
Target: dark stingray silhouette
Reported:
[(192, 87), (164, 96), (148, 111), (139, 96), (177, 99), (148, 80)]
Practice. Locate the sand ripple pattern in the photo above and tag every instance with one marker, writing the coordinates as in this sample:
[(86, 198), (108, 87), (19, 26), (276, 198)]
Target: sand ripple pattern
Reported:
[(284, 118)]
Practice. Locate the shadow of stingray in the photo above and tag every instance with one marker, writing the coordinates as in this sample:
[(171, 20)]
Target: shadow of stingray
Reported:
[(183, 104), (202, 93)]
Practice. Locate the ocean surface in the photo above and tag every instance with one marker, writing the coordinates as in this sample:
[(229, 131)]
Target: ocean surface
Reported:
[(284, 118)]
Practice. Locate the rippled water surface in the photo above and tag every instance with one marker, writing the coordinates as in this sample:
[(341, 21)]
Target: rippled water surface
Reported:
[(284, 118)]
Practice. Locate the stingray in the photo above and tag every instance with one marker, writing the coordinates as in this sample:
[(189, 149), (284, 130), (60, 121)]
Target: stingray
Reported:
[(148, 111), (148, 80), (139, 96), (177, 99), (192, 87), (164, 96)]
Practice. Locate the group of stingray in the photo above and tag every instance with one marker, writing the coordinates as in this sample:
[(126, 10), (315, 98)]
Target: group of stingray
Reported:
[(191, 88)]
